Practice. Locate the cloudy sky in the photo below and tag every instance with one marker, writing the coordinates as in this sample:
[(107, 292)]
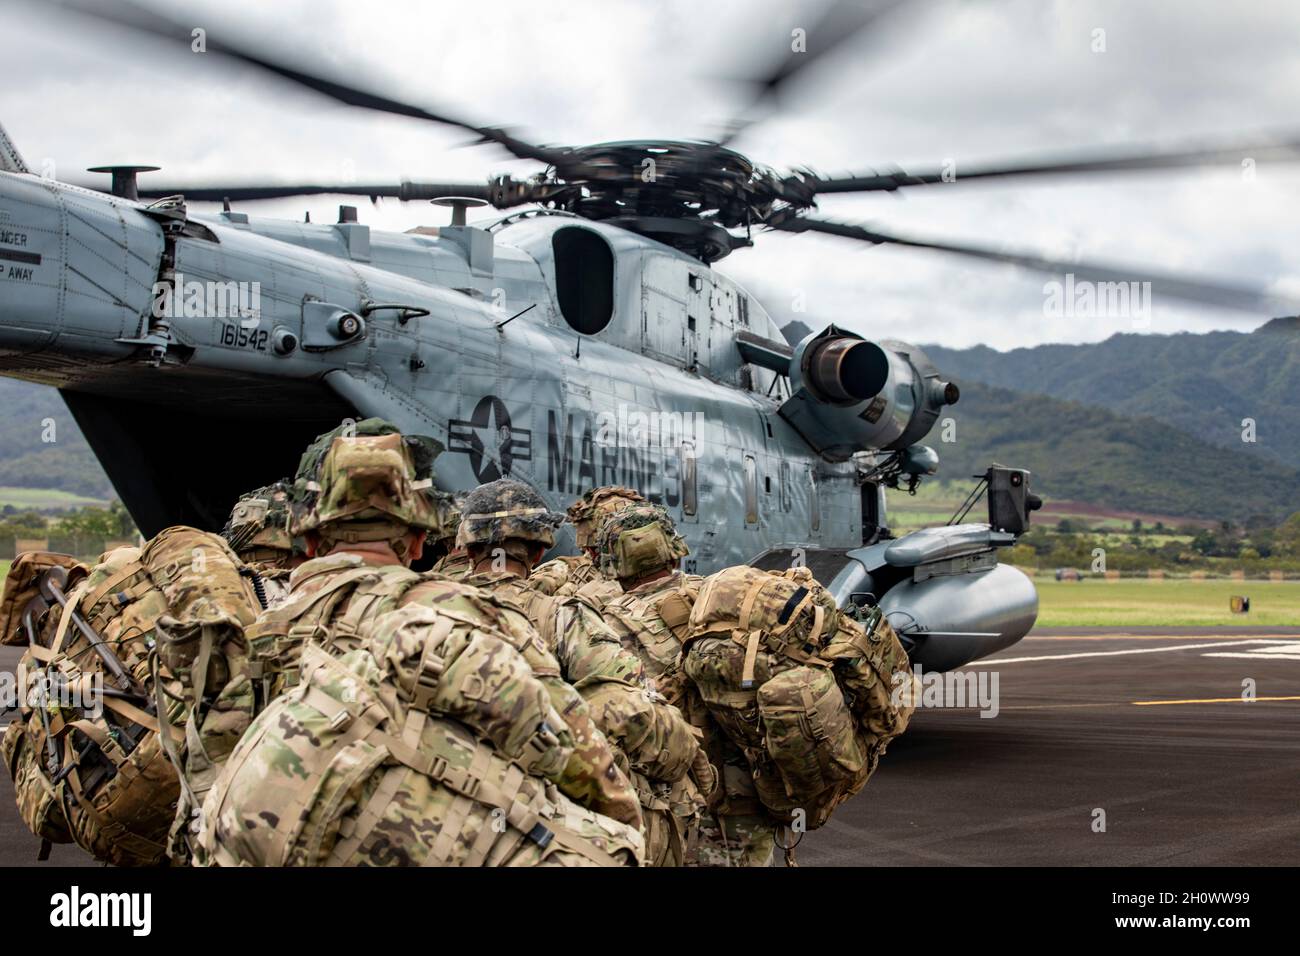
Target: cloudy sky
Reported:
[(960, 80)]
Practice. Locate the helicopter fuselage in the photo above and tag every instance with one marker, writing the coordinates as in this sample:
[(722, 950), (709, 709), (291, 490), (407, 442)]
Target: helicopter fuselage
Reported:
[(199, 354), (639, 384)]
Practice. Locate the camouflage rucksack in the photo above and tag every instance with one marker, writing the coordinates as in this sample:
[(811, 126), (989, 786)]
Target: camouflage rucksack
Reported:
[(652, 625), (804, 690), (432, 743), (656, 624), (119, 664), (329, 601)]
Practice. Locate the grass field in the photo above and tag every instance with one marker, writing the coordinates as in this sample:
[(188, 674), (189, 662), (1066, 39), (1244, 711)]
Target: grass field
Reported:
[(1168, 603), (43, 499)]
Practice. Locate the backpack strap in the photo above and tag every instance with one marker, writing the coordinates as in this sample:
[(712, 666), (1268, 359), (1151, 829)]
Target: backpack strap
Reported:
[(127, 571), (354, 830), (366, 599), (359, 719), (754, 635), (65, 619), (188, 800), (302, 617)]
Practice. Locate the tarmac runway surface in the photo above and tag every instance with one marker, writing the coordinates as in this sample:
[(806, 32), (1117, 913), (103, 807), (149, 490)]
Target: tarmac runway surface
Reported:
[(1117, 747)]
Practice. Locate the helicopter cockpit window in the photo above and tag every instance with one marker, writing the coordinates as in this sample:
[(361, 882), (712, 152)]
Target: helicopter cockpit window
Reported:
[(584, 279)]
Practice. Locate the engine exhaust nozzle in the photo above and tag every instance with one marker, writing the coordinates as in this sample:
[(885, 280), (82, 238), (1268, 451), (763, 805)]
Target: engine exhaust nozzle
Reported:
[(845, 370)]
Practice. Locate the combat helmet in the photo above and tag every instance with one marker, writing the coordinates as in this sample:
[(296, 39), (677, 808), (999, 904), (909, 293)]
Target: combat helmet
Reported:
[(258, 527), (587, 512), (638, 540), (365, 481), (504, 509), (448, 508)]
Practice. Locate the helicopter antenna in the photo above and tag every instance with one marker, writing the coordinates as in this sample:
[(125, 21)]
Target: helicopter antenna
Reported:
[(976, 493), (502, 325)]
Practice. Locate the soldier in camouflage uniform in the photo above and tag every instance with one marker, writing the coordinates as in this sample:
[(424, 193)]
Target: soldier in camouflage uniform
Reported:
[(258, 531), (568, 574), (433, 743), (364, 516), (506, 527), (640, 548), (361, 536)]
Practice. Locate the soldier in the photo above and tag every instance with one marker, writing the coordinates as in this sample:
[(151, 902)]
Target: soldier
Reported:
[(258, 531), (640, 547), (433, 743), (506, 528), (361, 508), (363, 517), (568, 573)]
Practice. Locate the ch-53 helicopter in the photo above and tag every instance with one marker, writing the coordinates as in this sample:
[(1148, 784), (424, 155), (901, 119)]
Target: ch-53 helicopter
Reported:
[(581, 338)]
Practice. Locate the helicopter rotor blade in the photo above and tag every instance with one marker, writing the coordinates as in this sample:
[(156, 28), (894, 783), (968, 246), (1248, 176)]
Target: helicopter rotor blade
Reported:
[(1283, 148), (1204, 292), (836, 23), (140, 19)]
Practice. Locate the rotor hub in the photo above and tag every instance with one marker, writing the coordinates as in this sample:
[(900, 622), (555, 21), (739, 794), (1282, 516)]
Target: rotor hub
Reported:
[(686, 194)]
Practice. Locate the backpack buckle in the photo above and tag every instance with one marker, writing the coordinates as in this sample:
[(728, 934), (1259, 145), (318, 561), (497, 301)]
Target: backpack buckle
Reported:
[(541, 835)]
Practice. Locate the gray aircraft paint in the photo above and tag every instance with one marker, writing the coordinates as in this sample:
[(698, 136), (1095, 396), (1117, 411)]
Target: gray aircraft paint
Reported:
[(523, 398)]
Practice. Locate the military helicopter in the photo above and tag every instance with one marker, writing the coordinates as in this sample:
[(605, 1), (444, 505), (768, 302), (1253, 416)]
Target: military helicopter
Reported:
[(579, 338)]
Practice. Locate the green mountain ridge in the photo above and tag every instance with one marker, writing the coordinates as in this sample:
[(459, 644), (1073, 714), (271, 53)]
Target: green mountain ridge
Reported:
[(1081, 452), (1206, 385)]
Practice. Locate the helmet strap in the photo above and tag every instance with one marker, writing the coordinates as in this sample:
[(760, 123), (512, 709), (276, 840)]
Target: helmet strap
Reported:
[(354, 532)]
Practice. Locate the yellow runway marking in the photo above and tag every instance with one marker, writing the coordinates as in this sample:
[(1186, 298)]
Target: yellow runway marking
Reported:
[(1210, 700), (1139, 703)]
